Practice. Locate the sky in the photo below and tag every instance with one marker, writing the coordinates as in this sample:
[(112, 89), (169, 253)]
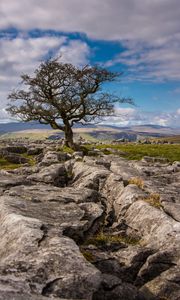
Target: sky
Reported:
[(140, 38)]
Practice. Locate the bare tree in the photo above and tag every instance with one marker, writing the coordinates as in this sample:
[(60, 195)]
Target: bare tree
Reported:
[(60, 94)]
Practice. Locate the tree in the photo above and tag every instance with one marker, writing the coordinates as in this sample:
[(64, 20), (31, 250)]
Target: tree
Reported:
[(60, 94)]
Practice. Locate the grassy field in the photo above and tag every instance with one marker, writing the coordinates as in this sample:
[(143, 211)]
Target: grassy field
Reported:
[(27, 134), (5, 165), (133, 151), (171, 139)]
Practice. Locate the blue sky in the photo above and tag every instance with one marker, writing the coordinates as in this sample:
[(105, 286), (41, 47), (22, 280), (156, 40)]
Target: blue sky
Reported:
[(137, 37)]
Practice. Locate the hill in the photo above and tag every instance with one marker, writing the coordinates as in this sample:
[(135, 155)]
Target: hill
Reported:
[(90, 131)]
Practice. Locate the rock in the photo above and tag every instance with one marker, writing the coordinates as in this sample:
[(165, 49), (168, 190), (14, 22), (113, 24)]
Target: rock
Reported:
[(8, 180), (37, 259), (78, 154), (55, 218), (89, 176), (130, 261), (54, 174), (153, 225), (7, 295), (19, 149), (125, 199), (164, 286), (155, 264), (42, 192), (122, 167), (53, 158), (16, 159), (150, 159), (172, 209), (34, 150), (112, 288)]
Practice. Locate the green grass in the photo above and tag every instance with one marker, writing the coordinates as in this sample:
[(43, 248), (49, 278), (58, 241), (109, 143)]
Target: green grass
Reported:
[(101, 239), (66, 149), (31, 158), (137, 152), (88, 255), (88, 137), (5, 165), (26, 135), (154, 200)]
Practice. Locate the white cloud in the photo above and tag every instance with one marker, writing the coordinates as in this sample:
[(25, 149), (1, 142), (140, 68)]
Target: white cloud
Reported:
[(134, 116), (178, 111), (23, 55), (75, 52), (103, 19), (151, 61), (149, 30)]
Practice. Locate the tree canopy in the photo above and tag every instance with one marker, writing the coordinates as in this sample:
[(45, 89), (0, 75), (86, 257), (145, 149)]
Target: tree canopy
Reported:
[(60, 94)]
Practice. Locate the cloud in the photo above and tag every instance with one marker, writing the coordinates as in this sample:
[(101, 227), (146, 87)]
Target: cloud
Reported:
[(23, 54), (75, 52), (102, 19), (178, 111), (151, 61), (148, 30), (133, 116)]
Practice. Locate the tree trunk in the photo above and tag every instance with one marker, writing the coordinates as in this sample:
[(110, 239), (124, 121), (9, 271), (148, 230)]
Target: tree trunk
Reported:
[(68, 136)]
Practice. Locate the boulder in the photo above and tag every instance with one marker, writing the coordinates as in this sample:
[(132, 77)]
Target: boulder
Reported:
[(16, 158), (36, 259), (18, 149), (34, 150), (54, 174), (51, 157)]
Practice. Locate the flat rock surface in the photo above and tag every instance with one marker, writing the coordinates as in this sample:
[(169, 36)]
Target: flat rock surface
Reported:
[(89, 228)]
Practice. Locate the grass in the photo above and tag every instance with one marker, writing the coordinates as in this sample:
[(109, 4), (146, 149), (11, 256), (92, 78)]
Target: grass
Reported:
[(154, 200), (66, 149), (102, 239), (171, 139), (31, 158), (88, 255), (137, 181), (26, 134), (88, 137), (5, 165), (137, 151)]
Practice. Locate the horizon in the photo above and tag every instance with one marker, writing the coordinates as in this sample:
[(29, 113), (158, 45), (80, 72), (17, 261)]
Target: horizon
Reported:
[(97, 32), (103, 124)]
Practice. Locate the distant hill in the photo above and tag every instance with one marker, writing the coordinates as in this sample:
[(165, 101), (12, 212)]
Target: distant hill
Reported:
[(102, 132)]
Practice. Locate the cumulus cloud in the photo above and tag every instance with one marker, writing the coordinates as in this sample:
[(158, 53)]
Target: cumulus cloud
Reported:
[(134, 116), (151, 61), (149, 30), (23, 54), (102, 19), (75, 52)]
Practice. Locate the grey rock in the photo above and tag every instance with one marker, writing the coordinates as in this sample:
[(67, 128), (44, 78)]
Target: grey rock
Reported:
[(172, 209), (164, 286), (113, 288), (51, 157), (150, 159), (19, 149), (78, 154), (35, 257), (89, 176), (8, 180), (54, 174), (34, 150), (15, 158)]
